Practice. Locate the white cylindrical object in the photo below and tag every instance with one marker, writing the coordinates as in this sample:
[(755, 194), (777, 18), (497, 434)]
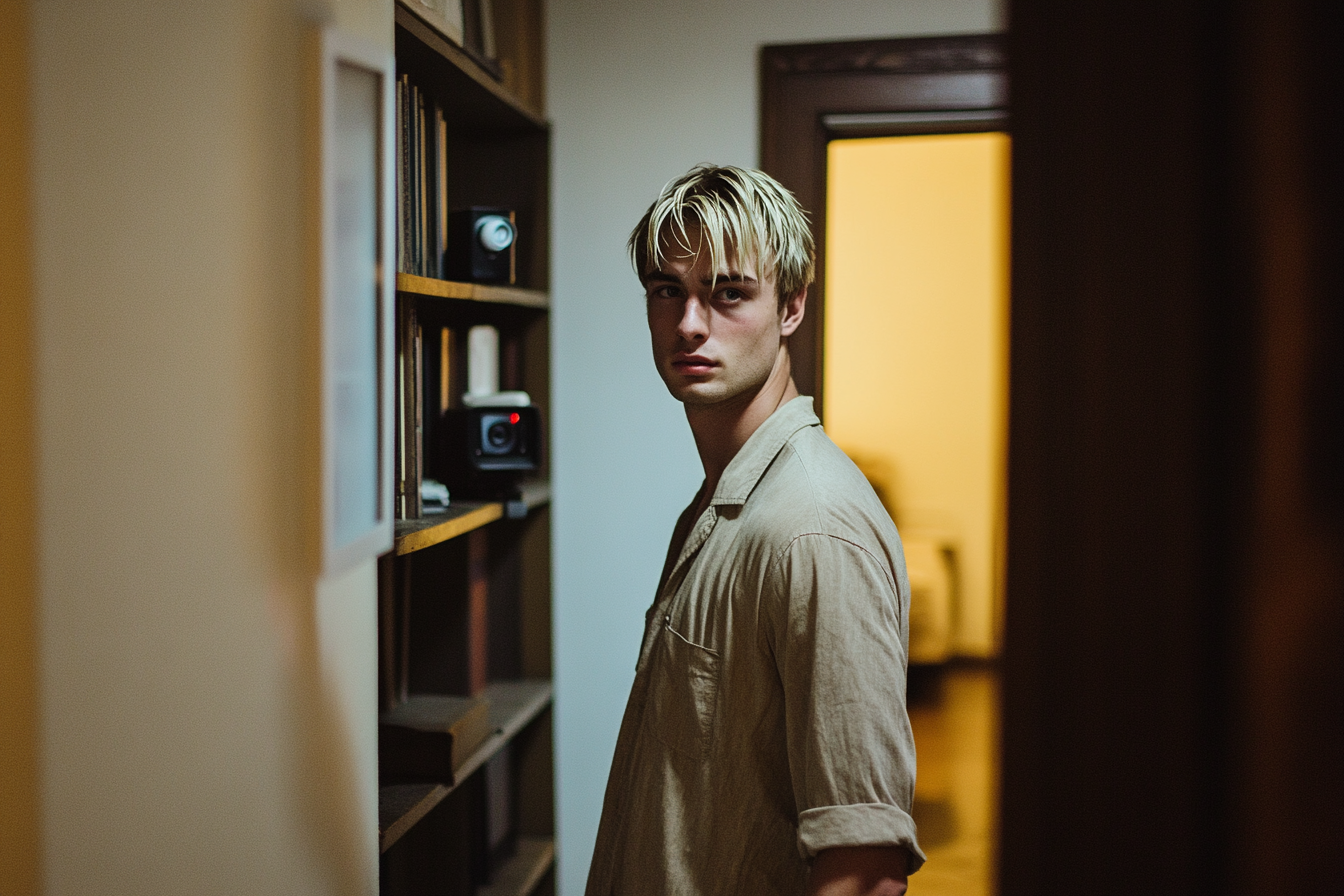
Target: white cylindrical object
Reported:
[(482, 360)]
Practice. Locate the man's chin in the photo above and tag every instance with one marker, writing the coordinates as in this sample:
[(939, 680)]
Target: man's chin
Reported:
[(697, 394)]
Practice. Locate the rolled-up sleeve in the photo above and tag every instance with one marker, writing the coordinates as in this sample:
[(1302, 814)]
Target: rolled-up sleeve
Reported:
[(839, 642)]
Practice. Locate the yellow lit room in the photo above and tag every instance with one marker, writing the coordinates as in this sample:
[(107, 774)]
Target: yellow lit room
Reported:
[(915, 391)]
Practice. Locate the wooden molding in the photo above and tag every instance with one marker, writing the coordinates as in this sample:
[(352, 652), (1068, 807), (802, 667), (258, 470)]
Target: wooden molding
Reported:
[(923, 55)]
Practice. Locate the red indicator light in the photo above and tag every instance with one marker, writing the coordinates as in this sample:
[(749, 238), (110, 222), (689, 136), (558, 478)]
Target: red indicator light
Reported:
[(515, 417)]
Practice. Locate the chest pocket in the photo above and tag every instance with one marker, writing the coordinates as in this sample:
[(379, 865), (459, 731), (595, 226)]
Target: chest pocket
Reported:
[(683, 692)]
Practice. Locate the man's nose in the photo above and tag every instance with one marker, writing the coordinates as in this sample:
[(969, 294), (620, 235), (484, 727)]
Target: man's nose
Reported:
[(694, 324)]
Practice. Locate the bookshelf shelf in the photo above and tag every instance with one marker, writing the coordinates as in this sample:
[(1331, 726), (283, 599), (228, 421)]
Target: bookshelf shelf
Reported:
[(459, 519), (400, 806), (429, 287), (436, 528), (513, 706), (521, 874)]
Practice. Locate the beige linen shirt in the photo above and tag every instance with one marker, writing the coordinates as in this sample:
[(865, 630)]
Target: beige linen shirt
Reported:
[(767, 719)]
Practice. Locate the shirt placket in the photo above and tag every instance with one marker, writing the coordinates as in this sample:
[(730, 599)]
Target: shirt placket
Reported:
[(657, 615)]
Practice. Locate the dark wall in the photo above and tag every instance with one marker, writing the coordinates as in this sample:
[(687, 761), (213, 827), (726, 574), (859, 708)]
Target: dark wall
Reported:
[(1176, 551)]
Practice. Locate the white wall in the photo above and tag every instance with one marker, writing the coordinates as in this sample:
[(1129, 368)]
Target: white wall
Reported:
[(639, 91), (207, 702)]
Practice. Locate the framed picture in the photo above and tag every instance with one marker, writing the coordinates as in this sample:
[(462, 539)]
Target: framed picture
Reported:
[(444, 15), (358, 293)]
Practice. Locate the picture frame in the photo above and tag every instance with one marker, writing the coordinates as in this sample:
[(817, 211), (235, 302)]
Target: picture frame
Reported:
[(358, 289), (446, 16)]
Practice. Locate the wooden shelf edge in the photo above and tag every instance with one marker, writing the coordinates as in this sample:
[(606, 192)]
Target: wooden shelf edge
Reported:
[(511, 295), (416, 535), (474, 292), (520, 875), (400, 806)]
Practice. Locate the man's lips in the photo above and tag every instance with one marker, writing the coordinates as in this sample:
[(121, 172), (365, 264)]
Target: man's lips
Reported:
[(692, 365)]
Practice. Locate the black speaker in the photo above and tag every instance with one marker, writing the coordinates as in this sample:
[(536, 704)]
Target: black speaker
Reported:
[(483, 452), (481, 245)]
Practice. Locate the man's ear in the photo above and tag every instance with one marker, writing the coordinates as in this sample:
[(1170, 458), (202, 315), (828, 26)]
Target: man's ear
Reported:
[(792, 313)]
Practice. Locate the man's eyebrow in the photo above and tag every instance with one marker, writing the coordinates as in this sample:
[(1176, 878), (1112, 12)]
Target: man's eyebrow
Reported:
[(730, 277), (661, 277)]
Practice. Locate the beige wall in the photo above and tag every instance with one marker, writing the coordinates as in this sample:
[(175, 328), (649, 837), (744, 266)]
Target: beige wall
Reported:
[(916, 343), (207, 702), (18, 565)]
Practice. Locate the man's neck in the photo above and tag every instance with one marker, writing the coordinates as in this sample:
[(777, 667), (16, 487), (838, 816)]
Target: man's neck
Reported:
[(721, 430)]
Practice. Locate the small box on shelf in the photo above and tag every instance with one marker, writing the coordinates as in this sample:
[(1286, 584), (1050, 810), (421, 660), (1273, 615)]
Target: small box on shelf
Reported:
[(431, 736)]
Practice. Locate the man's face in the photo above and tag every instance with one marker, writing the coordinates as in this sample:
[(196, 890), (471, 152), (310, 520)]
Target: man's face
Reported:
[(714, 338)]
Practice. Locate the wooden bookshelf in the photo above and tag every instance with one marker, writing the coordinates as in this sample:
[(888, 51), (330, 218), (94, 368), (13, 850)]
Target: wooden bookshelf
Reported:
[(464, 595)]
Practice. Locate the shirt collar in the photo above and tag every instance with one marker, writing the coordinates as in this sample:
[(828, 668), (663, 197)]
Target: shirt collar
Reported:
[(750, 463)]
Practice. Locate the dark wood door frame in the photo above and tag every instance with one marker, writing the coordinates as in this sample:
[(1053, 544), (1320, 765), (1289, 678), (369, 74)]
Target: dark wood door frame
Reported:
[(814, 93)]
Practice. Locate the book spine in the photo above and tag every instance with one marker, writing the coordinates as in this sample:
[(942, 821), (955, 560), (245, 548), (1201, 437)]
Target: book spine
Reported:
[(403, 187), (413, 155), (442, 196), (424, 188), (417, 414), (409, 421)]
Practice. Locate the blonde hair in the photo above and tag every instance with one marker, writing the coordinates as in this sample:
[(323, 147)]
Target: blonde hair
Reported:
[(742, 214)]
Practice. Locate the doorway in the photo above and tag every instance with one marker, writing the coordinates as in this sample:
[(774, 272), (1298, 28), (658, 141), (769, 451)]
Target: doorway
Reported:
[(915, 379), (898, 149)]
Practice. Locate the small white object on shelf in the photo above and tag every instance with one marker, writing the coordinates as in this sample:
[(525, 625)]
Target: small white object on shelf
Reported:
[(433, 496), (482, 360), (498, 400)]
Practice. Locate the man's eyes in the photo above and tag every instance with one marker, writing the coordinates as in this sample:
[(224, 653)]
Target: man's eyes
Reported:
[(727, 294)]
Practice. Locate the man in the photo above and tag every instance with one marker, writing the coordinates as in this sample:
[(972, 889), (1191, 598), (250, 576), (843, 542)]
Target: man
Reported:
[(765, 748)]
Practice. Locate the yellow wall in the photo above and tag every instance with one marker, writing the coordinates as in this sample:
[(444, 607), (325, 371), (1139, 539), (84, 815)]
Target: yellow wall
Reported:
[(916, 341), (207, 700)]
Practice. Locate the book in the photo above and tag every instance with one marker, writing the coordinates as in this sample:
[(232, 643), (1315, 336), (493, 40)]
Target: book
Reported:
[(409, 424), (403, 184), (441, 194), (423, 190), (422, 181), (430, 736)]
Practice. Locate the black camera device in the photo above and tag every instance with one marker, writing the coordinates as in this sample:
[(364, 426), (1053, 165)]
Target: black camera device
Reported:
[(483, 452), (481, 245)]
